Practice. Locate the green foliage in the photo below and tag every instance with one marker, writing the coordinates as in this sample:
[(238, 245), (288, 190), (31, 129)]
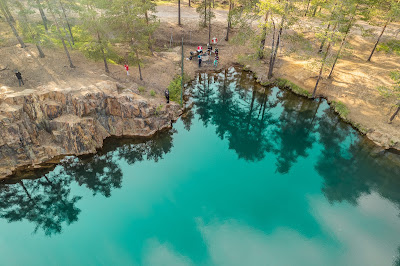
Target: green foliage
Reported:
[(299, 42), (360, 128), (141, 89), (391, 46), (366, 32), (249, 59), (244, 34), (394, 90), (205, 14), (386, 92), (284, 83), (340, 108), (175, 89), (152, 93), (157, 111), (90, 46), (32, 31)]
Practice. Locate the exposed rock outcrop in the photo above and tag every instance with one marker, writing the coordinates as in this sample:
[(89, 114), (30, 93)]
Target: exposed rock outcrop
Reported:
[(37, 126)]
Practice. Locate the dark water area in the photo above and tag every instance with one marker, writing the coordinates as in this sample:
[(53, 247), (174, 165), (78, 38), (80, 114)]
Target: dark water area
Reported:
[(248, 176)]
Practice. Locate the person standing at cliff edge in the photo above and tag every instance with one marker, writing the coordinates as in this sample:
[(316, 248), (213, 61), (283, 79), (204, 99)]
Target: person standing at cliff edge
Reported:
[(167, 95), (127, 69), (19, 77)]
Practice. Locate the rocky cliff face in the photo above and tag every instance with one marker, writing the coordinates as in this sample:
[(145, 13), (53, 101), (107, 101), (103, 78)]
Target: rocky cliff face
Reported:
[(37, 126)]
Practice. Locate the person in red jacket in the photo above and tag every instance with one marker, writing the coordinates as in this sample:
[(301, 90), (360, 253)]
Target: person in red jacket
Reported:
[(127, 69)]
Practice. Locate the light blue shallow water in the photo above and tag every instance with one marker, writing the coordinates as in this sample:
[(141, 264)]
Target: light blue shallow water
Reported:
[(250, 176)]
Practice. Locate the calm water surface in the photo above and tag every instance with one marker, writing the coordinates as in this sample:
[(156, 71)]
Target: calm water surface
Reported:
[(250, 176)]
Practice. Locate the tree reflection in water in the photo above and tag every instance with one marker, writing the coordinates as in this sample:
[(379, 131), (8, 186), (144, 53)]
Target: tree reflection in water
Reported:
[(351, 168), (47, 201), (255, 120)]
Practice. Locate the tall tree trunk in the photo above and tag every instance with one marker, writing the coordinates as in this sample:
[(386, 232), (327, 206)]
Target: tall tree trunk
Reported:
[(321, 69), (324, 40), (149, 41), (315, 11), (213, 3), (263, 36), (11, 25), (229, 21), (61, 36), (105, 61), (275, 53), (189, 4), (140, 70), (65, 31), (308, 6), (42, 14), (272, 64), (39, 48), (337, 55), (32, 34), (395, 113), (209, 23), (272, 50), (379, 38), (10, 16), (179, 12), (103, 53), (327, 29), (66, 20), (343, 42), (205, 13)]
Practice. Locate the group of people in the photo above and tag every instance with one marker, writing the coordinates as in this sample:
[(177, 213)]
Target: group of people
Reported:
[(208, 53)]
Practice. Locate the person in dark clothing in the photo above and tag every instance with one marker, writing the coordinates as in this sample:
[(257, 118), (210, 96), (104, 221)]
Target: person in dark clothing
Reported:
[(199, 60), (19, 77), (167, 95), (216, 60), (216, 51)]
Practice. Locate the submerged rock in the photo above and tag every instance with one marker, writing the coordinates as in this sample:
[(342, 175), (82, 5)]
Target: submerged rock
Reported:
[(37, 126)]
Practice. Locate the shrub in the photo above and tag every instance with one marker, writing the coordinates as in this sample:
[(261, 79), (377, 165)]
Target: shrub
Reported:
[(175, 88), (340, 108), (152, 93), (141, 89), (158, 109), (284, 83), (394, 90), (391, 46)]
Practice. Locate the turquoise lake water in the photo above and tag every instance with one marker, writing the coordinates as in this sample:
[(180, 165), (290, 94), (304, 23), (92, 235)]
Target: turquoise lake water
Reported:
[(249, 176)]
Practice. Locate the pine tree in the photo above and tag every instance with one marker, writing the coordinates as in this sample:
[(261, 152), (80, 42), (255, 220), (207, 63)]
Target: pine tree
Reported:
[(95, 28), (60, 35), (128, 19), (42, 14), (3, 9), (392, 13), (29, 29)]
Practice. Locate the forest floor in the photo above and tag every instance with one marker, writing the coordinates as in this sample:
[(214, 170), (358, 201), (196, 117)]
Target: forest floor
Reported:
[(354, 81)]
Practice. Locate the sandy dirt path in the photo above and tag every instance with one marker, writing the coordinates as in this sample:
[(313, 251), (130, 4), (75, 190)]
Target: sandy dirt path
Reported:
[(354, 81)]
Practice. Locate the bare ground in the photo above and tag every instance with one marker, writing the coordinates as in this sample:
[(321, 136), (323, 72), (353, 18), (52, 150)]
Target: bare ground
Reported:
[(354, 81)]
